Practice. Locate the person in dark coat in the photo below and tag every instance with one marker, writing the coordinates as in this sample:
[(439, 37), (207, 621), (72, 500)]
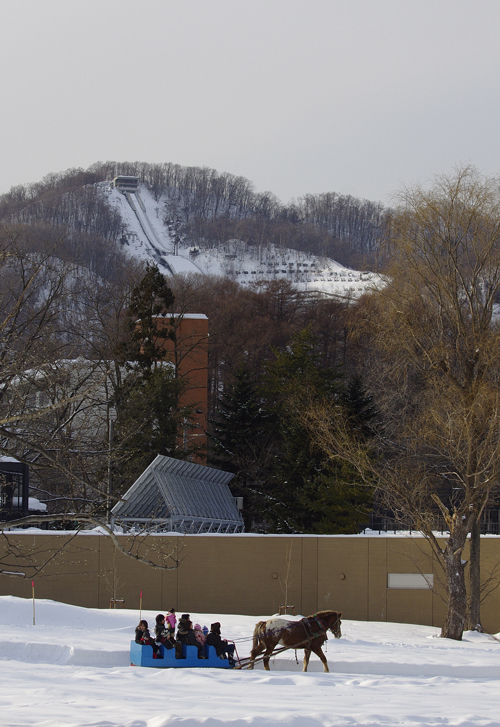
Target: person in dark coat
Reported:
[(142, 636), (165, 637), (222, 648), (185, 634)]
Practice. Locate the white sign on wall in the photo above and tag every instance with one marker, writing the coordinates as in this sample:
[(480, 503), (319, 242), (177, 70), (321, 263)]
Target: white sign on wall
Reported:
[(410, 580)]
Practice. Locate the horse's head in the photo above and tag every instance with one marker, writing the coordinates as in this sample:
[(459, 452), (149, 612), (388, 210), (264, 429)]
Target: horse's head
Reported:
[(335, 624)]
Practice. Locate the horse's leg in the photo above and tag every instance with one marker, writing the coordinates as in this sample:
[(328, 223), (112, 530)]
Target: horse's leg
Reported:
[(267, 656), (307, 654), (319, 652), (255, 653), (258, 643)]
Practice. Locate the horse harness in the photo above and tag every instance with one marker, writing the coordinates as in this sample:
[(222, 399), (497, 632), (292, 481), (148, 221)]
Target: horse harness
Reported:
[(309, 623)]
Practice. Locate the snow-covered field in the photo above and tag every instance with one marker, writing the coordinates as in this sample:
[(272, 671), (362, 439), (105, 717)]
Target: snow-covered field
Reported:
[(72, 669)]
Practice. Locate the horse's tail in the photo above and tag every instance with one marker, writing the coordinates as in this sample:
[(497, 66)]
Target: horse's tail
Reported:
[(257, 633)]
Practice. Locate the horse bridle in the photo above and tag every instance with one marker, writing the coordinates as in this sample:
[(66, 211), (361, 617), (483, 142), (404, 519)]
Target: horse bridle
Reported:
[(335, 625), (326, 628)]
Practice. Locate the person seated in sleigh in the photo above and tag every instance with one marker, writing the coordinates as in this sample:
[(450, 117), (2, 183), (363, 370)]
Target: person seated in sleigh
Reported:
[(142, 636), (222, 648), (185, 634), (164, 636)]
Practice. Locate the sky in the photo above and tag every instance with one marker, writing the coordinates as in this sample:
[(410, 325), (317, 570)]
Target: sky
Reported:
[(71, 669), (358, 97)]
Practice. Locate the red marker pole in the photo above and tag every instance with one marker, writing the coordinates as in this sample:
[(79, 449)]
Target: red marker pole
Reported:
[(140, 606), (33, 596)]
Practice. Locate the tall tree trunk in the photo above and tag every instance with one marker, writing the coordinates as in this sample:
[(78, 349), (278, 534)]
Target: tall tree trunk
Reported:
[(475, 576), (457, 595), (454, 566)]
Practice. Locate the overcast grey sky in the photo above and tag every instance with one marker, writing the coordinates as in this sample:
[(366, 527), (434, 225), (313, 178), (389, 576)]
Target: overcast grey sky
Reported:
[(352, 96)]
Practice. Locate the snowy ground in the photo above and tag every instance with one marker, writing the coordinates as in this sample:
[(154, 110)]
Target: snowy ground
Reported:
[(72, 670)]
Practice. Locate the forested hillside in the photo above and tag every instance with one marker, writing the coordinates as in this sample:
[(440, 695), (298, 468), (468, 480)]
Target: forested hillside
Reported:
[(207, 208)]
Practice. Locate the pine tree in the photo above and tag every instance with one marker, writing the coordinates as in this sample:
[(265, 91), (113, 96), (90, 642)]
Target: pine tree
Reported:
[(308, 492), (149, 420), (239, 413), (150, 299), (148, 423), (240, 442), (360, 408)]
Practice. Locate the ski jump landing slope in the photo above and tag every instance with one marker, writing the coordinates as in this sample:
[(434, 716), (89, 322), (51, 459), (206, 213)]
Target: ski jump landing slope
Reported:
[(148, 237)]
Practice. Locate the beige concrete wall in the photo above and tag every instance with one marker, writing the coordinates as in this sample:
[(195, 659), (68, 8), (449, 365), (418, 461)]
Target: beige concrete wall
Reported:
[(242, 574), (343, 576)]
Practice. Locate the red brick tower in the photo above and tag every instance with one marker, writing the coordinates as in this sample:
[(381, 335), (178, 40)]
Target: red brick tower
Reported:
[(189, 354)]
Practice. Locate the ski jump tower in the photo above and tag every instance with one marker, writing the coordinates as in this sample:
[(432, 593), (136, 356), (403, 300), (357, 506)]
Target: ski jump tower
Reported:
[(126, 184)]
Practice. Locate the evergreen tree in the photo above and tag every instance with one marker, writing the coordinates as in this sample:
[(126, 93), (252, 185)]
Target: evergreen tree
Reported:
[(149, 420), (149, 423), (150, 299), (360, 408), (239, 413), (306, 491), (240, 442)]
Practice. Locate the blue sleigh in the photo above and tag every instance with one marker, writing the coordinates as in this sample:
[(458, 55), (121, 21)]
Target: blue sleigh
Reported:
[(142, 655)]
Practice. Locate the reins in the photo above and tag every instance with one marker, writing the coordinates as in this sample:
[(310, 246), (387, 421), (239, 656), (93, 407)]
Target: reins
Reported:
[(246, 661)]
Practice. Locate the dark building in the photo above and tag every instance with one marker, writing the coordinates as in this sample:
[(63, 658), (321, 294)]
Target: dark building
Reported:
[(14, 489)]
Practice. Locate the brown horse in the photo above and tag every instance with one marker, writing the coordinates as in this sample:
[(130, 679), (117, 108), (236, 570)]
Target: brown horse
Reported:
[(308, 634)]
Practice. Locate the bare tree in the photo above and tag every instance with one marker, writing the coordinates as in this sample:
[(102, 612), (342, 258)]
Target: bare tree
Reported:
[(19, 562), (59, 333), (434, 370)]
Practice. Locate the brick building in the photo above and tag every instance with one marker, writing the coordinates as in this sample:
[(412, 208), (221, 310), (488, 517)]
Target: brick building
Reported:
[(188, 351)]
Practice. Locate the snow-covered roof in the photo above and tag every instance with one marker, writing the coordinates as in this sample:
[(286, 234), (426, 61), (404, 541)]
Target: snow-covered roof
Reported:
[(188, 316), (181, 496), (34, 504)]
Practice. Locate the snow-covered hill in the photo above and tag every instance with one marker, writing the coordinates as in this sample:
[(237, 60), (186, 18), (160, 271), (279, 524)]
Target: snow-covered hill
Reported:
[(147, 238)]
